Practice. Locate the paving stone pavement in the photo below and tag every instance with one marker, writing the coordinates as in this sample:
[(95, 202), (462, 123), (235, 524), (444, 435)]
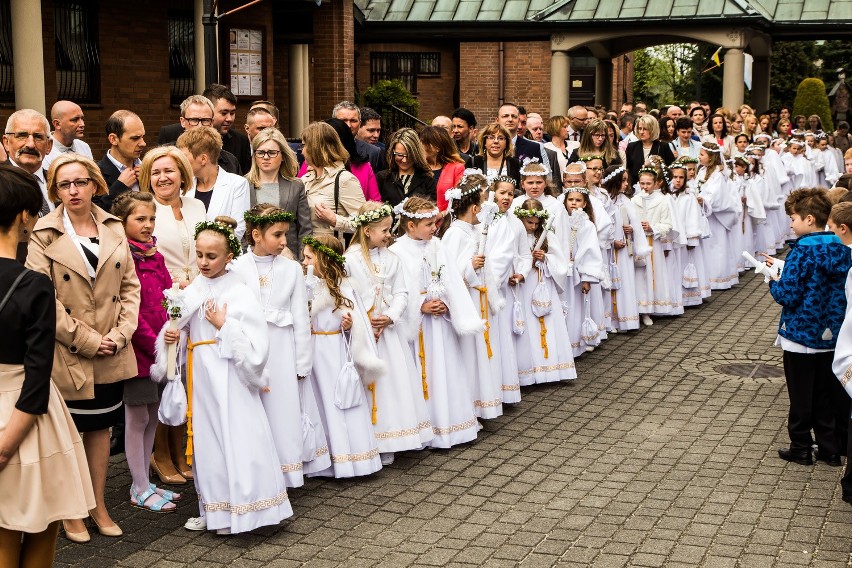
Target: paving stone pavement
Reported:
[(653, 457)]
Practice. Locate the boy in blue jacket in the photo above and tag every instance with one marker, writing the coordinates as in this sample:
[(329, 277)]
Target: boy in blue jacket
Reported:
[(811, 293)]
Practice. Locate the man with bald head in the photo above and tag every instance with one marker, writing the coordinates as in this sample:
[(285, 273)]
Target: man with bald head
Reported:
[(674, 112), (120, 166), (68, 130), (444, 122), (578, 117)]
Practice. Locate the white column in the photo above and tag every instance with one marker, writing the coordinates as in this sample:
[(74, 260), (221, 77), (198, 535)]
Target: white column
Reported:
[(733, 87), (28, 55), (198, 35), (560, 69), (306, 86), (298, 78)]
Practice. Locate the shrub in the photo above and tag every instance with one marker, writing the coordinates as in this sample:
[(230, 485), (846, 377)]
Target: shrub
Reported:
[(812, 99), (385, 93)]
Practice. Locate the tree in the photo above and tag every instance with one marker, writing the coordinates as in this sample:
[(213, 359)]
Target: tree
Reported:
[(791, 62), (833, 55), (675, 73), (812, 99), (385, 93)]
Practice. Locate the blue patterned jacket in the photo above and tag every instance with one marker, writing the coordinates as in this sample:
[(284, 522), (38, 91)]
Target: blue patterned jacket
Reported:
[(811, 290)]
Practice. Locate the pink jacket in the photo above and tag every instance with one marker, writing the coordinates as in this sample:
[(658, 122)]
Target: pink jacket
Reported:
[(365, 175), (154, 278)]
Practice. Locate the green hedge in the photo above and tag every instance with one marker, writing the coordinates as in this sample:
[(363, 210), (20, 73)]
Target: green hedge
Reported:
[(811, 98)]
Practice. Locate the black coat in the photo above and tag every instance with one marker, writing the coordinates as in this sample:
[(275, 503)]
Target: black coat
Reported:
[(171, 132), (513, 168), (391, 190), (636, 158), (116, 187)]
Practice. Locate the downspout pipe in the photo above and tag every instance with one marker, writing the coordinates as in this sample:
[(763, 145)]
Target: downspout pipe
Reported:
[(501, 56), (211, 43)]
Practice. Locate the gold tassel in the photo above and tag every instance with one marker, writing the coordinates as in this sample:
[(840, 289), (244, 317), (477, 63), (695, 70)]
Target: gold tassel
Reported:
[(423, 367), (372, 389), (190, 347), (543, 334), (483, 310)]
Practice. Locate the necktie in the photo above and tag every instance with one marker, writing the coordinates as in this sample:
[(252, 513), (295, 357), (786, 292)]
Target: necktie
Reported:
[(574, 135), (45, 208)]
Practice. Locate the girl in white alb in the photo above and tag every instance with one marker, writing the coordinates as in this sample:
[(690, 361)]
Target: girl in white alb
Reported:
[(401, 418), (693, 278), (722, 208), (652, 280), (537, 187), (345, 362), (439, 313), (279, 284)]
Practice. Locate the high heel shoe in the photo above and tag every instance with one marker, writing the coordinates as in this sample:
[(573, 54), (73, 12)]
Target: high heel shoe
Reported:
[(78, 537), (176, 479), (114, 530)]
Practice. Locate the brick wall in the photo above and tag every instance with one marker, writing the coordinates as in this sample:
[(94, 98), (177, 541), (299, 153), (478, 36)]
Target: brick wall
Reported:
[(332, 73), (437, 95)]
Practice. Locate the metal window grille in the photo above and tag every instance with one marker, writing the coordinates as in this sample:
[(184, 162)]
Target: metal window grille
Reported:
[(7, 76), (78, 64), (181, 56), (405, 66)]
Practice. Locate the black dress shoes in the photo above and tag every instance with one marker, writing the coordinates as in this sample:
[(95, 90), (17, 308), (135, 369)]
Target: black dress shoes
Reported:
[(802, 457), (829, 459)]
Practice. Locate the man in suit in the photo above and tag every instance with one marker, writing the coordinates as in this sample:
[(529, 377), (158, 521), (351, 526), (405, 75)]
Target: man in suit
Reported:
[(349, 113), (195, 111), (120, 166), (509, 117), (371, 128), (27, 141), (578, 117)]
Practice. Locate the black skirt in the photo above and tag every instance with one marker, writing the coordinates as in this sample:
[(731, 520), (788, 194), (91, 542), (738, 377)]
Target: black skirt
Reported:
[(102, 412)]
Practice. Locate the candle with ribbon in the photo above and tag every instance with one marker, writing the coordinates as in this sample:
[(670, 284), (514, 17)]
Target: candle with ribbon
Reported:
[(547, 226)]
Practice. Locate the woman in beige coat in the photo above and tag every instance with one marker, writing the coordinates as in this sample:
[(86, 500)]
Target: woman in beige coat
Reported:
[(84, 251)]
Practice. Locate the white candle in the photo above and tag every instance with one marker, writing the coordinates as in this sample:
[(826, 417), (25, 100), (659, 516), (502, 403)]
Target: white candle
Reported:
[(433, 257), (171, 350), (310, 272), (543, 236)]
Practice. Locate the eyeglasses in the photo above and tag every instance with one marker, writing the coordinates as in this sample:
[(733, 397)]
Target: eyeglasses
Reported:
[(267, 153), (596, 169), (400, 155), (23, 136), (493, 138), (599, 135), (78, 183), (201, 121)]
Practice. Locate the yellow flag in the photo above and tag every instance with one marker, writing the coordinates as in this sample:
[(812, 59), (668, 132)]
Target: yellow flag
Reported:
[(715, 57)]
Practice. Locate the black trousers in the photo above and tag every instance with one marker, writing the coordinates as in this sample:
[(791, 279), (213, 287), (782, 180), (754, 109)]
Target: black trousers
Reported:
[(811, 385), (846, 480)]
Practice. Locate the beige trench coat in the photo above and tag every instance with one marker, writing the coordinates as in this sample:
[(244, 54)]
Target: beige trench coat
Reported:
[(86, 312), (321, 190)]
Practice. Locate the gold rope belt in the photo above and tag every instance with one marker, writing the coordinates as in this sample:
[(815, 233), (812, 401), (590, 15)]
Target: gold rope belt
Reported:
[(190, 347), (372, 389), (543, 334), (423, 366), (336, 332), (483, 309), (653, 280)]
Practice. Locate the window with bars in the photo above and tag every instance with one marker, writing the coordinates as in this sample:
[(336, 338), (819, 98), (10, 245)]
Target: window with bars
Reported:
[(181, 56), (78, 64), (7, 76), (405, 66)]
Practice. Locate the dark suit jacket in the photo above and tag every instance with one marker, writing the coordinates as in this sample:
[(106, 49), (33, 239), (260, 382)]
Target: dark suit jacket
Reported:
[(116, 188), (237, 143), (513, 168), (375, 155), (392, 191), (171, 132), (575, 155), (636, 158), (526, 148), (292, 198)]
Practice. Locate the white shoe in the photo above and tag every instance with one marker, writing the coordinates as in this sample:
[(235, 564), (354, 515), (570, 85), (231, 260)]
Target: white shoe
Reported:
[(647, 320), (223, 532), (589, 348), (387, 458), (196, 524)]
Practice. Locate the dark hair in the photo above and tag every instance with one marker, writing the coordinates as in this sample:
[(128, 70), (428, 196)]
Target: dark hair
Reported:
[(742, 135), (127, 201), (710, 124), (664, 130), (115, 122), (521, 110), (439, 139), (369, 114), (845, 182), (699, 107), (613, 185), (535, 205), (809, 201), (215, 91), (460, 207), (683, 123), (465, 115), (19, 192), (626, 119), (346, 138)]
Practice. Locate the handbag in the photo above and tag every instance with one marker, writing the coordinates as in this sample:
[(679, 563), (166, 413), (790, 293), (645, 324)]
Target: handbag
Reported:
[(519, 325), (172, 411), (590, 331), (309, 436), (348, 391), (541, 303)]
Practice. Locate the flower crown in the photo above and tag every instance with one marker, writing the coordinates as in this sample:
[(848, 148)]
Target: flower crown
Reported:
[(612, 175), (371, 216), (708, 147), (468, 172), (648, 170), (319, 247), (677, 165), (820, 135), (582, 171), (589, 157), (687, 160), (224, 230), (400, 210), (269, 219), (525, 171), (504, 179), (798, 133), (754, 148), (542, 214), (797, 142)]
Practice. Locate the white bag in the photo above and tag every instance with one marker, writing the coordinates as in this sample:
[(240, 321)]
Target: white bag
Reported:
[(541, 303), (590, 331), (690, 276), (614, 277), (172, 411), (519, 325), (348, 391), (309, 435)]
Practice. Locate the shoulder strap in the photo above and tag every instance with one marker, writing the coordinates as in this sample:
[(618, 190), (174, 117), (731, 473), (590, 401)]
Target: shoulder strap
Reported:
[(8, 295), (337, 191)]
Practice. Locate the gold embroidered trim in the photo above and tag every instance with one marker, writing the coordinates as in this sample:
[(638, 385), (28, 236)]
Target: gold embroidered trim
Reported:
[(847, 376), (548, 368), (724, 279), (655, 303), (691, 294), (454, 428), (627, 318), (510, 387), (541, 304), (425, 425), (321, 452), (248, 507), (690, 279), (363, 456), (488, 403), (291, 467)]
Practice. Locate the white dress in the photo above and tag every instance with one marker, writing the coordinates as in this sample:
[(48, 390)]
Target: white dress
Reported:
[(723, 206), (675, 250), (463, 238), (623, 303), (435, 339), (775, 171), (402, 417), (544, 351), (278, 284), (652, 280), (237, 471), (694, 284), (351, 438), (603, 209)]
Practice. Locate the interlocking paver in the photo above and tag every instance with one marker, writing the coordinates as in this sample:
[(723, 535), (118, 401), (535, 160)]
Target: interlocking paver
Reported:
[(651, 458)]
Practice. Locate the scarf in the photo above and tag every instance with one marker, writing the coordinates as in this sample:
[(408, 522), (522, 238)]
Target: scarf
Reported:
[(141, 251)]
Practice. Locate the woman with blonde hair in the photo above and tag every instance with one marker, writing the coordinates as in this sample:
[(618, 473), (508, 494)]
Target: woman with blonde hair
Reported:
[(647, 129), (97, 307), (557, 128), (272, 179), (333, 192), (408, 173)]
